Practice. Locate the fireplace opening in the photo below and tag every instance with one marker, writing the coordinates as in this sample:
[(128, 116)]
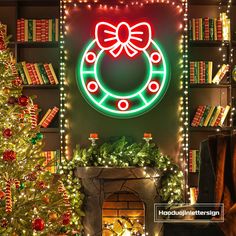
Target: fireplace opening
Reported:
[(123, 214)]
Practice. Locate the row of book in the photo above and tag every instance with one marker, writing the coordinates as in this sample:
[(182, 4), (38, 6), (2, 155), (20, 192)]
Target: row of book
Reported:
[(205, 29), (40, 30), (194, 161), (211, 116), (201, 72), (36, 73), (193, 195), (51, 160)]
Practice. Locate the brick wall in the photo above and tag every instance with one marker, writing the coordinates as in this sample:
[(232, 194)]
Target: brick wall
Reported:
[(123, 205)]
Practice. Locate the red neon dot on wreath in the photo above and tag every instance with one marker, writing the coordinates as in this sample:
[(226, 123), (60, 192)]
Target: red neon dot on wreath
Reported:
[(123, 105), (153, 86), (92, 87), (155, 57), (90, 57)]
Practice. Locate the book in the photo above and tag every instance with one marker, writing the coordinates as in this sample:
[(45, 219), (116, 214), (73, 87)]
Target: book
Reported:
[(45, 116), (49, 73), (21, 73), (26, 72), (204, 116), (193, 195), (216, 114), (53, 73), (220, 74), (224, 115), (43, 73), (206, 122), (198, 115), (50, 117)]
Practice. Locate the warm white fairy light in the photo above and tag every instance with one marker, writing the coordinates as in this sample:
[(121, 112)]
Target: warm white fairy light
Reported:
[(65, 6)]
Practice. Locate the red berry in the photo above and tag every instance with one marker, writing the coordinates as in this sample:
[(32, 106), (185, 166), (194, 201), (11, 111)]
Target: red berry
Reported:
[(9, 155), (7, 133), (38, 224), (23, 100)]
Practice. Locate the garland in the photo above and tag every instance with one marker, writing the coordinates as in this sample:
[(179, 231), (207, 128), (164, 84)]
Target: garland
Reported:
[(122, 154)]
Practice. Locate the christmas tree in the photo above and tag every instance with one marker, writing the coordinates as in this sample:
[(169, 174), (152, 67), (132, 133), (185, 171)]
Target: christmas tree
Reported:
[(33, 201)]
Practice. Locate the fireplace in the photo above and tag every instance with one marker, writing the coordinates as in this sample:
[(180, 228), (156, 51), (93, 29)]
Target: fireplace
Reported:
[(119, 194)]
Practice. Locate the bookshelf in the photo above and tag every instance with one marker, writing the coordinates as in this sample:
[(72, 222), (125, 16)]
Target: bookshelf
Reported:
[(47, 96), (211, 94)]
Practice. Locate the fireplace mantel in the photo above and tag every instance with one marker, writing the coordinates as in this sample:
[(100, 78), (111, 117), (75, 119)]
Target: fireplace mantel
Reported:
[(100, 182)]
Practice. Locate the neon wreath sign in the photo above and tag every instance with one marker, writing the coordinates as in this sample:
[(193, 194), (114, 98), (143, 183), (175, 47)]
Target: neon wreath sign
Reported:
[(131, 40)]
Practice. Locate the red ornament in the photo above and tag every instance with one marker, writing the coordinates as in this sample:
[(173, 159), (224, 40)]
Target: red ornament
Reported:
[(7, 133), (41, 185), (17, 82), (9, 155), (66, 218), (23, 100), (3, 223), (2, 195), (38, 224)]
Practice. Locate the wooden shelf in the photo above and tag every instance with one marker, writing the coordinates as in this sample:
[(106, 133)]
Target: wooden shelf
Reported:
[(50, 130), (223, 85), (209, 129), (43, 86), (38, 44), (207, 43)]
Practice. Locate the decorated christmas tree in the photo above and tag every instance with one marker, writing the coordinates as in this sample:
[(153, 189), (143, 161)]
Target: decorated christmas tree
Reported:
[(33, 201)]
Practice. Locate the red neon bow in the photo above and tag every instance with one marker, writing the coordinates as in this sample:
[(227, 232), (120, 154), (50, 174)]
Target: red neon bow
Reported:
[(122, 37)]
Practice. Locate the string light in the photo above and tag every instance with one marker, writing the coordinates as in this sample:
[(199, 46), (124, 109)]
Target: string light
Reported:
[(66, 6)]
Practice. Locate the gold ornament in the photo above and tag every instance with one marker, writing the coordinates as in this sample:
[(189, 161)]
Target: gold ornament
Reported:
[(53, 216)]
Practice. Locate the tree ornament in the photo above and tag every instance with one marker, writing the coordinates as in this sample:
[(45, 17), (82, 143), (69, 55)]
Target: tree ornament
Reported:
[(9, 155), (33, 141), (52, 216), (12, 100), (38, 224), (22, 186), (23, 100), (41, 185), (7, 133), (2, 195), (6, 90), (39, 136), (3, 223), (46, 199), (17, 82), (32, 176), (66, 219)]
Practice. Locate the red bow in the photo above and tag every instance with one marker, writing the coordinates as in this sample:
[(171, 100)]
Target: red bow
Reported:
[(122, 37)]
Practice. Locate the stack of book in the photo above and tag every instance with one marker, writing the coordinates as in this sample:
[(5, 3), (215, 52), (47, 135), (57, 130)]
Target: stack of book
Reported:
[(40, 30), (206, 29), (37, 73), (193, 195), (211, 116), (194, 161), (48, 117), (51, 160), (201, 72)]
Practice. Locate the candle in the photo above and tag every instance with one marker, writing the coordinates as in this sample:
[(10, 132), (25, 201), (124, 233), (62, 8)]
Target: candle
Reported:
[(147, 135), (93, 135)]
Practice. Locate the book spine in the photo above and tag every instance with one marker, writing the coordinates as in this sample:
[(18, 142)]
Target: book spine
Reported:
[(191, 161), (57, 30), (43, 73), (46, 30), (207, 29), (38, 30), (49, 74), (18, 30), (192, 81), (197, 28), (21, 73), (31, 74), (50, 117), (194, 161), (201, 71), (30, 30), (219, 30), (36, 78), (197, 116), (22, 30), (211, 27), (204, 116), (217, 122)]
